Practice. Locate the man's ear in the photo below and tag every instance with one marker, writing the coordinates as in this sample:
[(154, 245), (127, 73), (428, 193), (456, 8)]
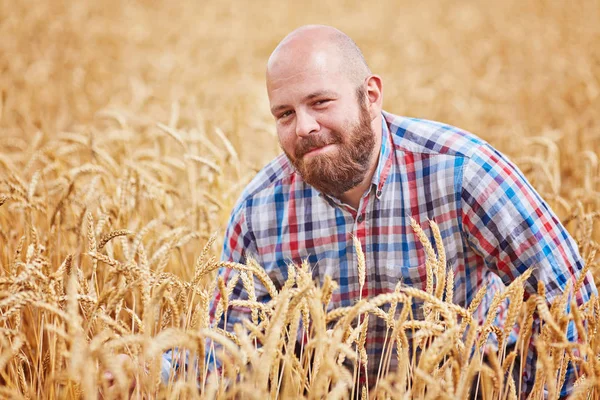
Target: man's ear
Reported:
[(374, 95)]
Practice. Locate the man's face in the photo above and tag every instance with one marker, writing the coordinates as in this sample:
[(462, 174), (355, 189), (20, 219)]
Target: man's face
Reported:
[(323, 125)]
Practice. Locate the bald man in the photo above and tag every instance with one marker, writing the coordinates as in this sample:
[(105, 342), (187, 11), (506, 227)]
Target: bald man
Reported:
[(350, 169), (315, 78)]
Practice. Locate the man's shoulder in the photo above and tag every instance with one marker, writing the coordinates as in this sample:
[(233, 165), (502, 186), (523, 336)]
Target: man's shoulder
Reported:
[(419, 135), (277, 173)]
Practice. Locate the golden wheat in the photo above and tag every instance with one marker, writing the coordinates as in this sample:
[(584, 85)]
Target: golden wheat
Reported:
[(122, 152)]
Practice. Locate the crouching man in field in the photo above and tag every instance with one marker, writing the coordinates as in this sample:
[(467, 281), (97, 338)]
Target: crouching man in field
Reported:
[(351, 169)]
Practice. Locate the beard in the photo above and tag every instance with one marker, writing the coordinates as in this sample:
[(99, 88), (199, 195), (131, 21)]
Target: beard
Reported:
[(336, 172)]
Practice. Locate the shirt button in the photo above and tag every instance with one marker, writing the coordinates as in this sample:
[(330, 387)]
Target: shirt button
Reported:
[(378, 194), (361, 218)]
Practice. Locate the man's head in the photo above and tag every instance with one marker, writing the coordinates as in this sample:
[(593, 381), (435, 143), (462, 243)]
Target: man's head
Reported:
[(327, 107)]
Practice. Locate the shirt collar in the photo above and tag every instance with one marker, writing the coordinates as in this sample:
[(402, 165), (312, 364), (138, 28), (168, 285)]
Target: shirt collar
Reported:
[(385, 158)]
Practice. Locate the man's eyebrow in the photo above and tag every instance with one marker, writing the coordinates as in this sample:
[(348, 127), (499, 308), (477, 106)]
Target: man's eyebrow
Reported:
[(320, 93)]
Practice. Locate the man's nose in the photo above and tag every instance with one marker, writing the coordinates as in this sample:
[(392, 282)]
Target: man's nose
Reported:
[(306, 124)]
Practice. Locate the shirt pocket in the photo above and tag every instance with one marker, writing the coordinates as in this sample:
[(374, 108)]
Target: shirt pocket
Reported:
[(410, 276), (413, 277)]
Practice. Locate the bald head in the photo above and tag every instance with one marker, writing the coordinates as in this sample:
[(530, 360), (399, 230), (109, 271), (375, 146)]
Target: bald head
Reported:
[(324, 46)]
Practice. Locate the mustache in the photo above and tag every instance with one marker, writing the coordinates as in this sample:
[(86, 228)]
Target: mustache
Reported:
[(315, 142)]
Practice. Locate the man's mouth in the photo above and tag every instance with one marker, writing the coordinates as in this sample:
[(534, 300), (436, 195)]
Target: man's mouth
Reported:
[(317, 150)]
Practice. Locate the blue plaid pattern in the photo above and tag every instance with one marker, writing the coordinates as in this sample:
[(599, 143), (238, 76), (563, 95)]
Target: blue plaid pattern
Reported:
[(494, 226)]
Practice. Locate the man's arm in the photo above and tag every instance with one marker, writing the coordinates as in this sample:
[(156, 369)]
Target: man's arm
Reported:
[(506, 221), (238, 242)]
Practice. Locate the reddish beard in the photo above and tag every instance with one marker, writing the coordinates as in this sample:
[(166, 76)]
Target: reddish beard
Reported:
[(336, 172)]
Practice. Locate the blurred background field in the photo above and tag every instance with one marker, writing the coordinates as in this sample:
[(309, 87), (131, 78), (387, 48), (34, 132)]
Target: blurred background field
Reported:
[(150, 116), (502, 70)]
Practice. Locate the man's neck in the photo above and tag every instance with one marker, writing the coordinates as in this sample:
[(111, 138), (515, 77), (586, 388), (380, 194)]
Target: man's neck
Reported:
[(352, 197)]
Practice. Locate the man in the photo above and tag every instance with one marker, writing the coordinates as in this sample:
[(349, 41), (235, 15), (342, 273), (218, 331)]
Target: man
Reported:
[(351, 169)]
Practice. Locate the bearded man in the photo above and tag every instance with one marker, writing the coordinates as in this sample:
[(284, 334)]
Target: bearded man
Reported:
[(351, 169)]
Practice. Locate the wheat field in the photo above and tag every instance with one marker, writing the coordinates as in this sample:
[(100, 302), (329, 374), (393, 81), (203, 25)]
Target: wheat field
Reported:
[(129, 129)]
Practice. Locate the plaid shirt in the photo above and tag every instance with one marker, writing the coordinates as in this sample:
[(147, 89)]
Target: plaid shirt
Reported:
[(494, 226)]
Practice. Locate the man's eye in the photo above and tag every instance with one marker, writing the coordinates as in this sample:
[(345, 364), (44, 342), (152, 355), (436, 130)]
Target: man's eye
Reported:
[(285, 114), (321, 102)]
